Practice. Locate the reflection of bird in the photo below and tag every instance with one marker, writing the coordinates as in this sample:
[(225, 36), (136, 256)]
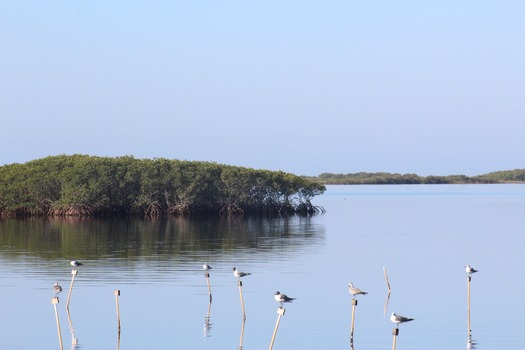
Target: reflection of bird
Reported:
[(75, 263), (354, 290), (57, 288), (282, 298), (206, 267), (239, 274), (470, 269), (399, 319)]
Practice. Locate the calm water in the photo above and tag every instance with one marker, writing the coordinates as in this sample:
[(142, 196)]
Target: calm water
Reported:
[(422, 235)]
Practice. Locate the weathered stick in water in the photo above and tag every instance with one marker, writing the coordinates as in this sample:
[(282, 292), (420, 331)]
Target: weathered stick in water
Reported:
[(239, 283), (280, 313), (395, 332), (207, 275), (55, 301), (117, 294), (74, 272), (354, 304), (468, 306), (389, 290), (242, 334)]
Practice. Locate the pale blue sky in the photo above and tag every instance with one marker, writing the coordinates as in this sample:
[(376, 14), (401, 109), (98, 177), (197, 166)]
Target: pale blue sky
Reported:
[(426, 87)]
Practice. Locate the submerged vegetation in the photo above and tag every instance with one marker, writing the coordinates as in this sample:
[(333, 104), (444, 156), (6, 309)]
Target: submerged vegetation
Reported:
[(507, 176), (81, 185)]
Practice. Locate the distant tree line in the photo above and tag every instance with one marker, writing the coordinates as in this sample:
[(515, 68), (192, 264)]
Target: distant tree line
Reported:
[(363, 178), (82, 185)]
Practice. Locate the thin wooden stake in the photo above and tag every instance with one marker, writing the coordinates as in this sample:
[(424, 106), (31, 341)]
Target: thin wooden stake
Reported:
[(389, 290), (280, 313), (239, 283), (354, 304), (386, 278), (242, 334), (74, 272), (55, 301), (395, 333), (468, 306), (207, 275), (117, 294)]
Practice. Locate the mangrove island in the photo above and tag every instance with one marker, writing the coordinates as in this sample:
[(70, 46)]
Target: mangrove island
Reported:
[(83, 185)]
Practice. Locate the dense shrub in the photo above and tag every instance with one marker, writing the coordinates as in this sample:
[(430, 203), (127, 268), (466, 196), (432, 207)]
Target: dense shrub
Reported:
[(84, 185)]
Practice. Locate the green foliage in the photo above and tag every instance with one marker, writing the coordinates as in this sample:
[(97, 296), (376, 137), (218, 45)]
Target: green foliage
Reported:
[(82, 185), (362, 178), (516, 175)]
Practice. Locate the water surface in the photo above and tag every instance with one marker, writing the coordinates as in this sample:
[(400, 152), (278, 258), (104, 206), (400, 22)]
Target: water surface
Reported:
[(422, 235)]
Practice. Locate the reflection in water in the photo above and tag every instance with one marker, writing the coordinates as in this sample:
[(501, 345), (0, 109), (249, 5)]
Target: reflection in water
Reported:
[(129, 238), (207, 323), (471, 343), (156, 246), (74, 340)]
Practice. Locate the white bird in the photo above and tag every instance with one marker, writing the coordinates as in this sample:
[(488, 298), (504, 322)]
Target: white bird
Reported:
[(75, 263), (239, 274), (206, 267), (397, 319), (57, 288), (282, 298), (470, 269), (354, 290)]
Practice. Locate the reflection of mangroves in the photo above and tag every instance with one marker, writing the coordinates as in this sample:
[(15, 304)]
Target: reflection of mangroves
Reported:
[(123, 238), (82, 185)]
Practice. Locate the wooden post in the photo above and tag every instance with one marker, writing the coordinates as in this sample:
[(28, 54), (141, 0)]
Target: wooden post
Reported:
[(207, 275), (74, 272), (395, 332), (239, 283), (55, 301), (280, 313), (468, 306), (354, 304), (389, 290), (242, 334), (117, 294)]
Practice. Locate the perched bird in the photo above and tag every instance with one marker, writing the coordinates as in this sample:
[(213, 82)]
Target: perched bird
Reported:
[(397, 319), (239, 274), (282, 298), (75, 263), (354, 290), (206, 267), (57, 288), (470, 269)]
